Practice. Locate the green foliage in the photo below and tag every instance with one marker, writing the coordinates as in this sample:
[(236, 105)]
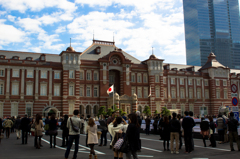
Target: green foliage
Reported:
[(121, 112), (109, 112), (147, 111), (165, 111), (156, 112), (115, 108), (101, 111)]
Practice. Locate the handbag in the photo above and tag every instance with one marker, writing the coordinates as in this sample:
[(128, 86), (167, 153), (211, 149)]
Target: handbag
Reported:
[(118, 144), (75, 128), (125, 148)]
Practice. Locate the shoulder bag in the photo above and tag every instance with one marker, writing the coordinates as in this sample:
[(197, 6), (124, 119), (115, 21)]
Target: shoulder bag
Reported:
[(125, 148), (75, 128)]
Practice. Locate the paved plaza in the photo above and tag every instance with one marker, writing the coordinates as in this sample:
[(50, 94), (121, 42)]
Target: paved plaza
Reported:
[(151, 148)]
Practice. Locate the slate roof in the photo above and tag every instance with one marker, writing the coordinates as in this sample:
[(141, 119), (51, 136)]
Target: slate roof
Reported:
[(35, 56), (89, 53), (212, 62)]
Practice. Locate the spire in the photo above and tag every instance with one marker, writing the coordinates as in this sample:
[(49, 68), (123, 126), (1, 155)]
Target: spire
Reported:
[(152, 51), (70, 41), (113, 36)]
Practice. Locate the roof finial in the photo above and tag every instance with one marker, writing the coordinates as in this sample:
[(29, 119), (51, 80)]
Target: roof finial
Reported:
[(93, 34), (70, 41), (113, 36), (152, 50)]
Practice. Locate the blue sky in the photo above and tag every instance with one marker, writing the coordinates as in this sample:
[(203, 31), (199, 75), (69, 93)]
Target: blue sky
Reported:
[(46, 26)]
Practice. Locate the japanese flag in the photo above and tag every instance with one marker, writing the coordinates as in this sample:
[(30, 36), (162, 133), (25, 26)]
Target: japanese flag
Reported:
[(110, 89)]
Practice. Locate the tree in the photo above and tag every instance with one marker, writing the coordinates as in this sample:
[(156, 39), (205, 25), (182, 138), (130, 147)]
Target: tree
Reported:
[(109, 112), (156, 112), (147, 111), (121, 112), (102, 111), (165, 111)]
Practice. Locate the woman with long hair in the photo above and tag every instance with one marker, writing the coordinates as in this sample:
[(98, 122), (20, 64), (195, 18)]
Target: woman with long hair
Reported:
[(65, 131), (38, 131), (92, 137), (166, 132), (204, 126), (53, 130), (133, 136), (115, 129)]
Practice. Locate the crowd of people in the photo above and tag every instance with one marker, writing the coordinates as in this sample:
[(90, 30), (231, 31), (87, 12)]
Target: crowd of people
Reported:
[(124, 131)]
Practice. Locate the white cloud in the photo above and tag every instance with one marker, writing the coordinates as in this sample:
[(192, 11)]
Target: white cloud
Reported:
[(11, 18), (60, 29), (3, 12)]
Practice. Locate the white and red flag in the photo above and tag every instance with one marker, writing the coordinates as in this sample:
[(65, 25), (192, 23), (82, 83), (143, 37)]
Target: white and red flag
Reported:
[(110, 89), (149, 92)]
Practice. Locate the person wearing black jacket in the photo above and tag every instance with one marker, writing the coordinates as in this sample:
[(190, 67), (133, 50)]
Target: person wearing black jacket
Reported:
[(187, 124), (139, 119), (212, 131), (204, 126), (175, 127), (65, 131), (103, 126), (160, 127), (233, 134), (17, 127), (166, 132), (53, 130), (25, 122), (133, 136)]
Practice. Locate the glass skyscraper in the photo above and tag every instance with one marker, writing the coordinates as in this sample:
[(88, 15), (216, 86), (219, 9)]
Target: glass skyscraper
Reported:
[(212, 26)]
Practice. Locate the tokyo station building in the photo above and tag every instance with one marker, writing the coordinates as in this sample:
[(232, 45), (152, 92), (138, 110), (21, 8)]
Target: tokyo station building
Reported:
[(59, 83)]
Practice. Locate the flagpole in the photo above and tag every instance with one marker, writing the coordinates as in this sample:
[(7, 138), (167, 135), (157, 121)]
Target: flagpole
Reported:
[(113, 96)]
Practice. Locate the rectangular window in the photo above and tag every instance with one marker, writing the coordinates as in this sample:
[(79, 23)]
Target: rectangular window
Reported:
[(71, 90), (206, 82), (157, 78), (56, 75), (95, 76), (133, 78), (71, 74), (198, 94), (218, 94), (81, 75), (172, 80), (174, 106), (173, 93), (29, 73), (29, 90), (191, 108), (1, 110), (43, 74), (43, 91), (224, 83), (198, 82), (15, 88), (88, 91), (145, 92), (217, 83), (88, 76), (181, 81), (95, 92), (190, 82), (164, 80), (225, 94), (56, 90), (133, 91), (139, 80), (190, 93), (81, 91), (14, 109), (2, 73), (15, 73), (29, 110), (145, 78), (203, 111), (207, 94), (182, 94), (139, 93), (71, 108), (157, 92), (1, 88)]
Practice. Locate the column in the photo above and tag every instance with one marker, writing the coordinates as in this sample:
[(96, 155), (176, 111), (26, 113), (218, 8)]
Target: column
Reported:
[(50, 85), (203, 92), (84, 111), (195, 89), (36, 84), (8, 84), (22, 84), (186, 84), (177, 87), (92, 111), (169, 94)]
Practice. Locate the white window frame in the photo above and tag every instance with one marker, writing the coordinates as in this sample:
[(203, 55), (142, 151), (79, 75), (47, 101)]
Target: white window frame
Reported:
[(217, 83), (174, 106), (157, 92), (206, 93), (218, 94), (145, 92), (29, 73), (145, 78), (225, 92), (88, 76), (182, 93), (190, 81), (57, 88), (43, 58), (81, 91), (81, 75), (56, 75), (198, 82), (95, 91), (1, 88), (43, 91), (88, 91), (2, 72), (157, 79), (173, 81), (29, 89), (133, 90), (43, 74), (15, 73), (14, 105), (173, 93), (71, 90), (181, 81), (224, 82), (191, 108), (133, 77), (139, 78), (190, 93), (95, 76), (139, 92), (29, 105), (16, 85), (71, 74), (199, 93), (206, 82)]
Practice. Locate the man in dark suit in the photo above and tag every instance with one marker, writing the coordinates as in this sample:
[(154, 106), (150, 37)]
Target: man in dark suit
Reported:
[(148, 122), (24, 127), (187, 124)]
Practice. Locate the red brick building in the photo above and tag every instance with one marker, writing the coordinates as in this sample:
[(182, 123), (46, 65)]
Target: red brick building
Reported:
[(42, 83)]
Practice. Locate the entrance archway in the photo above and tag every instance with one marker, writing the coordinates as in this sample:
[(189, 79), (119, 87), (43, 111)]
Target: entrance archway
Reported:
[(88, 110), (114, 78), (48, 111)]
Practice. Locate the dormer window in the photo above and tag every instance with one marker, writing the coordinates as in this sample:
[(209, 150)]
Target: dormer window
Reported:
[(43, 57), (29, 58), (2, 57), (98, 50), (15, 57)]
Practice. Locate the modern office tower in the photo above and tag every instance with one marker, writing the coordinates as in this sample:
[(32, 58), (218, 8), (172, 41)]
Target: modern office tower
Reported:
[(212, 26)]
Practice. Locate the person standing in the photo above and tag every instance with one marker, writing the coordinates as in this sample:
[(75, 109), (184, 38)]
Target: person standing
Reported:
[(73, 135), (53, 130), (110, 120), (133, 136), (92, 137), (233, 134), (155, 124), (17, 125), (103, 126), (191, 115), (188, 124), (175, 128), (220, 127), (148, 122), (225, 128), (204, 126), (166, 132), (65, 131), (25, 122), (160, 128), (212, 131), (38, 131), (179, 117), (13, 120), (8, 124)]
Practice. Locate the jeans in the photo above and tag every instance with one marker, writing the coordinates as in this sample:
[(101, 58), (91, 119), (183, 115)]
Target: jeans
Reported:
[(188, 141), (64, 137), (130, 153), (18, 132), (70, 142), (54, 141), (234, 135), (104, 135), (24, 135), (174, 135), (147, 129)]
